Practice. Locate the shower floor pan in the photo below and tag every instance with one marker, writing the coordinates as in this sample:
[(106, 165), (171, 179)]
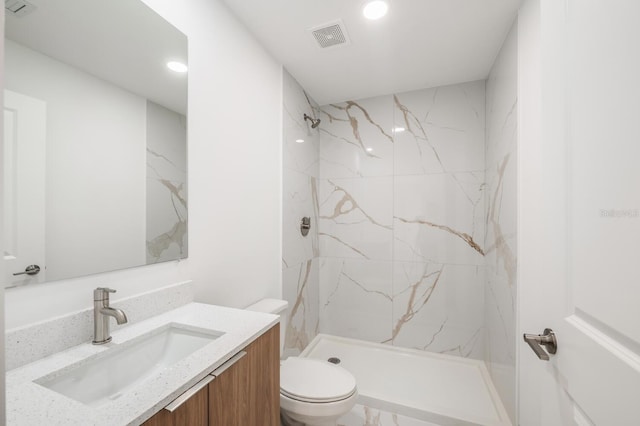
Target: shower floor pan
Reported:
[(442, 389)]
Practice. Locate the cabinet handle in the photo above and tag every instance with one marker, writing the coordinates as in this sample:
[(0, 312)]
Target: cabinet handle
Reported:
[(218, 371), (176, 403)]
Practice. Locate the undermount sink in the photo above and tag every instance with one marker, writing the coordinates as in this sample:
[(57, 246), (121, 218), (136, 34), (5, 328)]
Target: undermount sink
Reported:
[(106, 376)]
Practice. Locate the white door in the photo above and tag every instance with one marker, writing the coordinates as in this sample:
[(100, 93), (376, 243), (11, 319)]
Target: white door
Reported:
[(24, 187), (579, 211)]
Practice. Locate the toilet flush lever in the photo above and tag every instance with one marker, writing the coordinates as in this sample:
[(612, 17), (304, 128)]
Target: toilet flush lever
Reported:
[(546, 339)]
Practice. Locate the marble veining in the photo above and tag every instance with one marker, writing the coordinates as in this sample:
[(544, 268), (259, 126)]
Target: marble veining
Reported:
[(304, 320), (343, 243), (177, 234), (439, 130), (415, 128), (439, 308), (353, 121), (360, 285), (440, 218), (300, 199), (462, 235), (500, 240), (501, 300), (356, 217), (433, 337), (419, 295), (300, 254), (468, 347), (347, 204), (357, 138), (160, 157), (166, 204), (356, 298), (402, 219), (501, 243)]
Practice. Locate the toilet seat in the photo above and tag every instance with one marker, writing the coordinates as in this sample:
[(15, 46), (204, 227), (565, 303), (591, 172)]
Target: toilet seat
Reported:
[(315, 381)]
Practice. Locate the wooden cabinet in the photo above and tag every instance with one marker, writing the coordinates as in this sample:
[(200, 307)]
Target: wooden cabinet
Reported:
[(244, 392), (194, 412), (229, 395), (263, 382), (248, 392)]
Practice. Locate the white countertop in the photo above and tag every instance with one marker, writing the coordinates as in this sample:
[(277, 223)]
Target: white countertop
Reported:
[(31, 404)]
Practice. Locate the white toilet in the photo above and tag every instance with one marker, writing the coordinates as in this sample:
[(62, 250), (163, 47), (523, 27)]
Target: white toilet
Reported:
[(312, 392)]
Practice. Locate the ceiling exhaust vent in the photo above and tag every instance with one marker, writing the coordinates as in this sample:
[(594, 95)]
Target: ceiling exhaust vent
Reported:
[(18, 8), (331, 34)]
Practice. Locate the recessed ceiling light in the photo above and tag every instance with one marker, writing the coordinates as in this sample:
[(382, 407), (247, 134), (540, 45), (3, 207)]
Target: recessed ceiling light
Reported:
[(300, 140), (399, 129), (177, 66), (369, 149), (375, 9)]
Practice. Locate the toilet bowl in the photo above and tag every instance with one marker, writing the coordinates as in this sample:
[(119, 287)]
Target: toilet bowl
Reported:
[(312, 392)]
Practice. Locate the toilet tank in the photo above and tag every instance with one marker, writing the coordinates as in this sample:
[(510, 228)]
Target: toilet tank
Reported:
[(276, 307)]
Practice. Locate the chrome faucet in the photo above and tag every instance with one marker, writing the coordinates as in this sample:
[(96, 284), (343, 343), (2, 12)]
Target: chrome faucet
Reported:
[(101, 313)]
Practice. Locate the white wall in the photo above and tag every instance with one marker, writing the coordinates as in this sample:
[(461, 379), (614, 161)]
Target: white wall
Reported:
[(235, 168), (2, 314), (98, 131), (542, 206), (234, 155)]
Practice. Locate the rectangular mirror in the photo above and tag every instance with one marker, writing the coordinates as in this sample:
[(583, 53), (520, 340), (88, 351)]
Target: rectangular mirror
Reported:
[(95, 138)]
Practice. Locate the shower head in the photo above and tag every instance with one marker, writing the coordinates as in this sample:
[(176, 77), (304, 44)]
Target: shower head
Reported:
[(314, 123)]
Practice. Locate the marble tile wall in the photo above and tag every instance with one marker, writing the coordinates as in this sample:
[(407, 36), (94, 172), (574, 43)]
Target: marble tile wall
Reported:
[(402, 219), (501, 221), (300, 261)]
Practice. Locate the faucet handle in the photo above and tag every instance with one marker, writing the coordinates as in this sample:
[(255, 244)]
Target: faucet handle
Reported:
[(102, 293)]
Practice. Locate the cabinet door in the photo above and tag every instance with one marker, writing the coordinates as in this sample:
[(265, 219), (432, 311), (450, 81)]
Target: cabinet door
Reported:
[(228, 394), (263, 357), (193, 412), (247, 393)]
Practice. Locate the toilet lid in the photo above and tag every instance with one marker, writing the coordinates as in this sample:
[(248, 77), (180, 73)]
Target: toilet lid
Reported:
[(313, 380)]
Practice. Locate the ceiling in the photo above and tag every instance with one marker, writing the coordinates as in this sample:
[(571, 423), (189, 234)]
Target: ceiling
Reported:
[(419, 44), (123, 42)]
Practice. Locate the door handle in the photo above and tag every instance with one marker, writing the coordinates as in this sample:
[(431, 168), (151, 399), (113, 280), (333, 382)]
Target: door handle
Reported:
[(546, 339), (29, 270)]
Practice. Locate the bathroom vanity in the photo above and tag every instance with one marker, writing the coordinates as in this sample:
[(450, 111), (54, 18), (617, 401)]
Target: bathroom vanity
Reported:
[(242, 391), (195, 365)]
